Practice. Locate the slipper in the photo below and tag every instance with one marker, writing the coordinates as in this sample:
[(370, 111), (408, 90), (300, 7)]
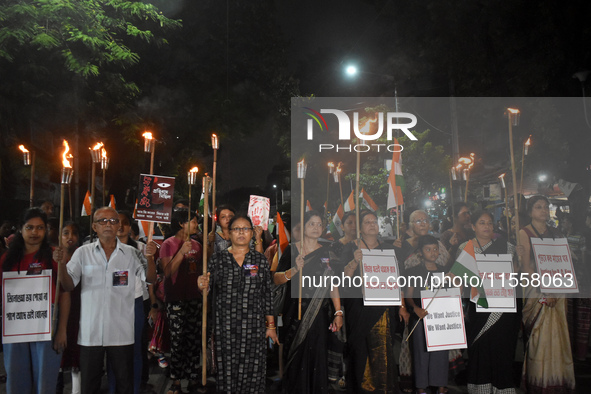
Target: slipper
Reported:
[(175, 389)]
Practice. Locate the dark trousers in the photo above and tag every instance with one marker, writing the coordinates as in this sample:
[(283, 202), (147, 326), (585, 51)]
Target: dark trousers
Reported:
[(92, 364)]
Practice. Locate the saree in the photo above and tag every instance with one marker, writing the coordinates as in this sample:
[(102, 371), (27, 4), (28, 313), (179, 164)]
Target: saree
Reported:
[(371, 364), (306, 340), (492, 340), (548, 364)]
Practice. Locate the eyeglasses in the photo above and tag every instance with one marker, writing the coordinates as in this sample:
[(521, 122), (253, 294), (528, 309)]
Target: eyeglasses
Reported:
[(423, 221), (241, 229), (104, 221), (31, 228)]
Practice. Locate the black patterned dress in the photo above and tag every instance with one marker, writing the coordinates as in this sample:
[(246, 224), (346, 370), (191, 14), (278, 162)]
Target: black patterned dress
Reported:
[(241, 299)]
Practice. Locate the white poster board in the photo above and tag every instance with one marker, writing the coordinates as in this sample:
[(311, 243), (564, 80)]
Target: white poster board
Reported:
[(555, 265), (495, 271), (380, 275), (27, 307), (258, 211), (444, 325)]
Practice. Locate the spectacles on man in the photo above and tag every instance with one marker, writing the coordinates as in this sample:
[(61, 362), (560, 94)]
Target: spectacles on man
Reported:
[(104, 221), (241, 229), (422, 221)]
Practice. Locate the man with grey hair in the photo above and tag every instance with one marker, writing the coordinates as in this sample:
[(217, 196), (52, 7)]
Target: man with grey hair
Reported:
[(106, 269)]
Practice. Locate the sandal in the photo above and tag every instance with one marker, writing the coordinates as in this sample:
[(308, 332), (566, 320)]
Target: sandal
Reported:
[(175, 389), (442, 390)]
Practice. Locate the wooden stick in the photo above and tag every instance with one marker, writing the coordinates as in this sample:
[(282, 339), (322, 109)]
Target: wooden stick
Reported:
[(213, 207), (507, 212), (341, 189), (302, 208), (418, 321), (93, 165), (189, 216), (104, 186), (32, 190), (521, 182), (451, 191), (356, 199), (59, 266), (515, 202), (397, 222), (204, 315), (151, 226)]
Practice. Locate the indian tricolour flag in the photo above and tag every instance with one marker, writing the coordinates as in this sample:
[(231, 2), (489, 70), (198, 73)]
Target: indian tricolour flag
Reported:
[(335, 226), (396, 181), (466, 265), (350, 203), (368, 201)]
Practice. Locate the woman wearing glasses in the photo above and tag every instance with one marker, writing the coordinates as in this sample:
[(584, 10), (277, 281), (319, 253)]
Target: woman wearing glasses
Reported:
[(240, 281), (306, 339), (32, 367), (180, 257)]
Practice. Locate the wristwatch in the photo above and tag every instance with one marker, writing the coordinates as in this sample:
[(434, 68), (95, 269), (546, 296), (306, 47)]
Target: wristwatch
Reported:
[(155, 305)]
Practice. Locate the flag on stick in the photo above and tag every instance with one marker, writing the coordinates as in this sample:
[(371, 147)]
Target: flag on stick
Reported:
[(465, 266), (86, 205), (367, 201), (308, 206), (396, 181), (335, 226), (350, 203)]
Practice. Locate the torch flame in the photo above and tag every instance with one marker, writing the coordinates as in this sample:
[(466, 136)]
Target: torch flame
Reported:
[(513, 110), (147, 135), (66, 156), (339, 169), (104, 153), (194, 169), (467, 161), (98, 146), (528, 142), (22, 148), (502, 176), (365, 128)]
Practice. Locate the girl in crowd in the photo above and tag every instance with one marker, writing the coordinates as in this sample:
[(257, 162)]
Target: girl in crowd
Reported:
[(306, 340), (370, 329), (180, 257), (492, 337), (548, 365), (33, 367), (431, 368), (243, 313), (221, 239), (71, 357)]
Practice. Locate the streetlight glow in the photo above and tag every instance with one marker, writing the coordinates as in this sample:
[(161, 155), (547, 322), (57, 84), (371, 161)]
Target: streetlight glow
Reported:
[(351, 70)]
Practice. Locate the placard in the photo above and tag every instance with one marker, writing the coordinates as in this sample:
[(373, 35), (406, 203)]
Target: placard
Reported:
[(380, 274), (154, 202), (495, 271), (444, 325), (555, 265), (258, 211), (26, 300)]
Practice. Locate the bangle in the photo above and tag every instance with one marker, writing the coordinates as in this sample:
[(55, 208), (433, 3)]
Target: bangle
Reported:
[(270, 324), (339, 313), (155, 305), (271, 328), (285, 274)]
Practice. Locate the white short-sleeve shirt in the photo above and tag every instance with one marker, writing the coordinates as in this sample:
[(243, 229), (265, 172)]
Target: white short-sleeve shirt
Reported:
[(107, 293)]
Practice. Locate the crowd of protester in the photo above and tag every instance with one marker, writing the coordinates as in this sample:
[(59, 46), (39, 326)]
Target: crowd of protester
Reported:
[(130, 301)]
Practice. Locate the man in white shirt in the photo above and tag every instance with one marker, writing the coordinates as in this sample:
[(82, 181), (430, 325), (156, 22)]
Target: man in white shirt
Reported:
[(107, 270)]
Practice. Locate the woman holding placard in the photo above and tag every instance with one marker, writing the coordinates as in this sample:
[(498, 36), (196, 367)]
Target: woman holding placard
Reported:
[(548, 365), (370, 329), (32, 367), (492, 337)]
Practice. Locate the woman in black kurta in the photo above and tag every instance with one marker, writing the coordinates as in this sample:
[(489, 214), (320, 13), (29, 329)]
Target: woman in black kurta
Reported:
[(492, 337), (241, 284)]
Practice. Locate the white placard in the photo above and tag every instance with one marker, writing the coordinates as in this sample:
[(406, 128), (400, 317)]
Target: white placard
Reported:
[(444, 325), (27, 307), (380, 274), (258, 211), (555, 265), (495, 271)]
